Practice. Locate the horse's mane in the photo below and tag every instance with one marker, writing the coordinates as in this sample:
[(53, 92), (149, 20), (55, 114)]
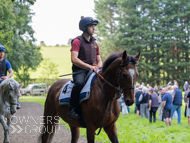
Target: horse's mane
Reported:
[(7, 81), (110, 59), (114, 56)]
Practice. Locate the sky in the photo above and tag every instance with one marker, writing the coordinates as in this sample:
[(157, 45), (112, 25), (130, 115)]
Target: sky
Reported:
[(56, 21)]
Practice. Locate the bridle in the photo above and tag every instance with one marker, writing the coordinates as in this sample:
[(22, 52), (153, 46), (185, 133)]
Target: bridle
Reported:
[(119, 90), (7, 102)]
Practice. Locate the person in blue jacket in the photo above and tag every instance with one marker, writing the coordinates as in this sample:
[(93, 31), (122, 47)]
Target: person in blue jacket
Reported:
[(5, 65)]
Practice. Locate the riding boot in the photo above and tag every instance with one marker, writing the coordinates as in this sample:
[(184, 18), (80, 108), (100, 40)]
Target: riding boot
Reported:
[(72, 114)]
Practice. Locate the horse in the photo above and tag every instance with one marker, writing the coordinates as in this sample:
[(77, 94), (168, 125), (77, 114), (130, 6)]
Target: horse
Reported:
[(102, 109), (9, 94)]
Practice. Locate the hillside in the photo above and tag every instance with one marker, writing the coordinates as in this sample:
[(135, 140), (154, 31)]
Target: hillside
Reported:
[(59, 55)]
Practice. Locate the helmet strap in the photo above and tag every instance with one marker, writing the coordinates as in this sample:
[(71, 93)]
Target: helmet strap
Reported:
[(86, 30)]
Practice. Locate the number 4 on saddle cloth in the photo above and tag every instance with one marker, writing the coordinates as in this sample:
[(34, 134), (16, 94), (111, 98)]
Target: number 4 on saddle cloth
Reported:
[(64, 97)]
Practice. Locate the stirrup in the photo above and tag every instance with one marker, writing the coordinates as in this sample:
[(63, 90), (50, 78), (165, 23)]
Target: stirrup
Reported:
[(73, 115)]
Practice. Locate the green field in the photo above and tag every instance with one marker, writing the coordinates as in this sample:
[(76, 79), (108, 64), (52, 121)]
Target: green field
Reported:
[(60, 56), (133, 129)]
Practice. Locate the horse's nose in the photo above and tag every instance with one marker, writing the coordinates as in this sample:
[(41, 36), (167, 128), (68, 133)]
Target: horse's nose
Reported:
[(129, 102)]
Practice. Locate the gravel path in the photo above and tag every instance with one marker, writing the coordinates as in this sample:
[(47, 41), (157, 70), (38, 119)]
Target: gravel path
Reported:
[(26, 126)]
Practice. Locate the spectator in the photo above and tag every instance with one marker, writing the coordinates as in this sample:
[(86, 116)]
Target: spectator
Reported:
[(137, 94), (167, 106), (142, 84), (177, 102), (153, 105), (186, 100), (169, 83), (188, 107), (170, 90), (156, 89), (186, 86), (124, 106), (160, 104), (176, 83), (144, 103), (148, 85)]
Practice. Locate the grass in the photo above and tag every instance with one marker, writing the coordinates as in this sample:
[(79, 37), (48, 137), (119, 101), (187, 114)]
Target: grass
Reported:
[(133, 129)]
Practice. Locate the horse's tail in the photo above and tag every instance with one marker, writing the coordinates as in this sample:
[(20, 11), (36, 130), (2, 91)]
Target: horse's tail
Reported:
[(50, 119)]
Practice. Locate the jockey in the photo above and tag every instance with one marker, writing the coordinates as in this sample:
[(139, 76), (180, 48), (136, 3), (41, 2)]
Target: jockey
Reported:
[(4, 67), (84, 52)]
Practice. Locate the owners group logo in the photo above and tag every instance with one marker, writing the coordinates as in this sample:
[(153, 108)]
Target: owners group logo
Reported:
[(30, 124)]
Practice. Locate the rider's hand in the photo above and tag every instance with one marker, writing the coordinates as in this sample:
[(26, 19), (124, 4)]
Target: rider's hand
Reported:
[(4, 77), (95, 68)]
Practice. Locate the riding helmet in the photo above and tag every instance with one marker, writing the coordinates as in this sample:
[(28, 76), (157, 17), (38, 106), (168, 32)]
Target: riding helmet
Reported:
[(85, 21), (2, 48)]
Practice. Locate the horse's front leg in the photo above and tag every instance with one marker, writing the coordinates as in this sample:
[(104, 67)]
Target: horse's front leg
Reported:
[(75, 132), (111, 131), (6, 129), (90, 133)]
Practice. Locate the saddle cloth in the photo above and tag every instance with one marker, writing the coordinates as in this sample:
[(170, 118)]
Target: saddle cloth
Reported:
[(64, 97)]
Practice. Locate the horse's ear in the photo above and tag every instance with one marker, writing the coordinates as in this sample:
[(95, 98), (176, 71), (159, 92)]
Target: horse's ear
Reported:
[(20, 85), (124, 56), (10, 85), (137, 57)]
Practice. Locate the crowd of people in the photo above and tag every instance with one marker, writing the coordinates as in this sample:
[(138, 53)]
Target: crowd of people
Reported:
[(167, 100)]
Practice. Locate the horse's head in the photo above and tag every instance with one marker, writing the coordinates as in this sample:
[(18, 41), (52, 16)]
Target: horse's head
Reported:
[(11, 92), (120, 69), (127, 76)]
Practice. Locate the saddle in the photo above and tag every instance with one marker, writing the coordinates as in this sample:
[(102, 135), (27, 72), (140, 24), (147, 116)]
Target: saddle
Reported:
[(65, 93)]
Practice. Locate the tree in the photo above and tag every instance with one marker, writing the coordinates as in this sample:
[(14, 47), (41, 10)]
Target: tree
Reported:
[(106, 29), (16, 35), (42, 43), (158, 29), (49, 71), (69, 41)]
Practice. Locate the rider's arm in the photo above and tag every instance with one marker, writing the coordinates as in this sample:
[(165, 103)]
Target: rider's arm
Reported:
[(98, 58), (10, 73)]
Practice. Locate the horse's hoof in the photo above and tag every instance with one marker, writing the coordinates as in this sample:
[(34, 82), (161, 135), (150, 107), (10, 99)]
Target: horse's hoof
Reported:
[(6, 142)]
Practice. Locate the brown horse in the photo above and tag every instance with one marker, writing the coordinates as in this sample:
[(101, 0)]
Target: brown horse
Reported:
[(102, 108)]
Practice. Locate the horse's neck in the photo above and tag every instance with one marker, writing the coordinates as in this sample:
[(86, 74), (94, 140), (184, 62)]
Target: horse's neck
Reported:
[(1, 99), (111, 78)]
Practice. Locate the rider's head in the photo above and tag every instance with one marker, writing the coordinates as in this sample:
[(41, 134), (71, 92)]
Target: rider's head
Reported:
[(2, 51), (85, 24), (2, 48)]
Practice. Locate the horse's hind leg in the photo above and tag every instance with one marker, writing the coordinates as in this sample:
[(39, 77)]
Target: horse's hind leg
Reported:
[(49, 124), (75, 132), (111, 131), (6, 129)]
